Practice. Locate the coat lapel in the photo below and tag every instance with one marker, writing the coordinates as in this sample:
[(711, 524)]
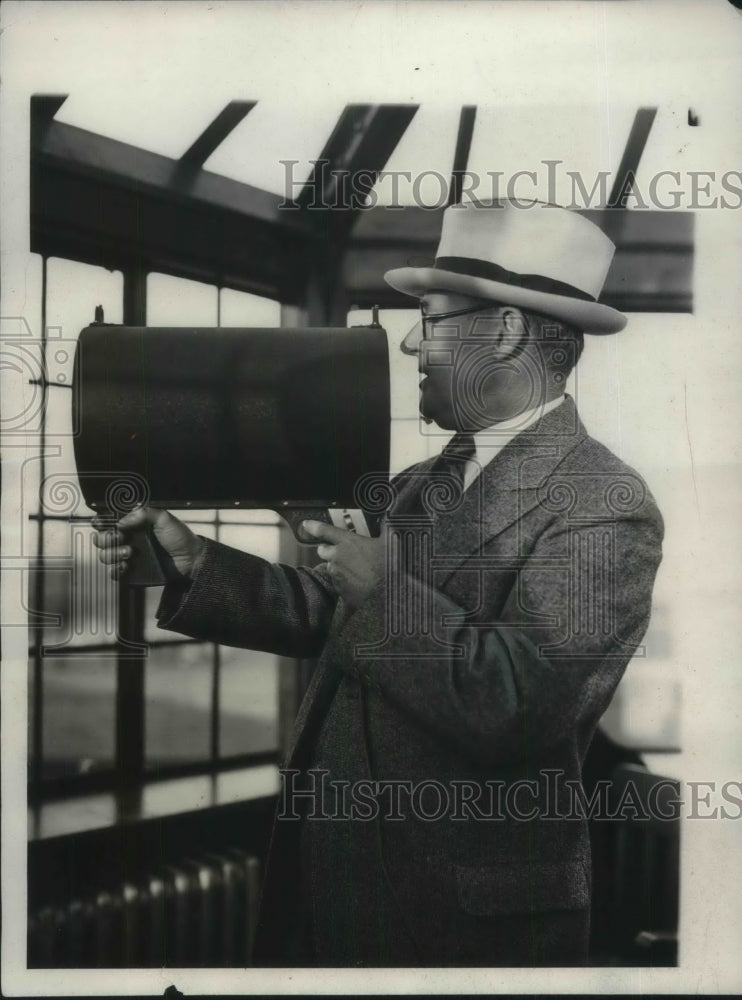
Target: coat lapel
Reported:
[(506, 489)]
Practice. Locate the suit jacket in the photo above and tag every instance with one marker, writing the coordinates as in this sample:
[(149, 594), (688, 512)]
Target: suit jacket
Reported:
[(449, 713)]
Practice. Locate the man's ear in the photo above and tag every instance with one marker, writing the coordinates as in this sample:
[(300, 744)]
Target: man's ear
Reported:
[(513, 331)]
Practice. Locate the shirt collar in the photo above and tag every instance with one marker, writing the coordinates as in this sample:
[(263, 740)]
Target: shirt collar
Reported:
[(491, 440)]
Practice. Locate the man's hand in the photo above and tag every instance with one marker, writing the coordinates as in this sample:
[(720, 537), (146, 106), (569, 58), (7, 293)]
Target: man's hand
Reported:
[(355, 564), (176, 538)]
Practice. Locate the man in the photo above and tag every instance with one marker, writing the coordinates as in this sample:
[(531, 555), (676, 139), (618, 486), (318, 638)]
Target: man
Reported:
[(465, 655)]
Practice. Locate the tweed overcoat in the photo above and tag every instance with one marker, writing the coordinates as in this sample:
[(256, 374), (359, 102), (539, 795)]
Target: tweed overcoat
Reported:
[(440, 743)]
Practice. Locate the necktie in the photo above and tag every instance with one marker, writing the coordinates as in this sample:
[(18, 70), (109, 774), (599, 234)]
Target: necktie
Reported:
[(436, 495), (452, 460), (452, 464), (444, 483)]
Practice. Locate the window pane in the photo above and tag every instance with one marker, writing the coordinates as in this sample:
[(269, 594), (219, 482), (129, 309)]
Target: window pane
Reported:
[(205, 528), (243, 309), (411, 440), (258, 540), (248, 516), (78, 596), (403, 373), (152, 597), (408, 445), (30, 692), (248, 717), (178, 704), (73, 292), (646, 709), (180, 302), (78, 705), (187, 514)]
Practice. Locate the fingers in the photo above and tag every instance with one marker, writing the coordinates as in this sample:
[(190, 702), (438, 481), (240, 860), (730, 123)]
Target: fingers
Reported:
[(112, 550), (326, 552), (134, 519), (115, 554)]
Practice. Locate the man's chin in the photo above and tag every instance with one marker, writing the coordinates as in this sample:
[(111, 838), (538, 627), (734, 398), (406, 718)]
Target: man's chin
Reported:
[(441, 420)]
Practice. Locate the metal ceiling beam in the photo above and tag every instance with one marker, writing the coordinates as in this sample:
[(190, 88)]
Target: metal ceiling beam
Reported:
[(85, 153), (101, 201), (106, 202), (332, 198), (632, 154), (358, 149), (461, 154), (213, 136), (43, 109)]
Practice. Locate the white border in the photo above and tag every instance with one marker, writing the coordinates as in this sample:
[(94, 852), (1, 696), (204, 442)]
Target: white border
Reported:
[(681, 51)]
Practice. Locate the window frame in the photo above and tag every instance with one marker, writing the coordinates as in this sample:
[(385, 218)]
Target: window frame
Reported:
[(129, 770)]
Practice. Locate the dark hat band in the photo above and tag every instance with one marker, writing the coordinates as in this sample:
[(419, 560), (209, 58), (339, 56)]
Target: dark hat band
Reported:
[(493, 272)]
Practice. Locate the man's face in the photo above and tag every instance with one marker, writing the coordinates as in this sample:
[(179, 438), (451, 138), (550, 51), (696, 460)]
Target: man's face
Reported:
[(465, 385)]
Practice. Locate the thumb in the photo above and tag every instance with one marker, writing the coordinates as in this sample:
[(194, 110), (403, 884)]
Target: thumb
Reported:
[(140, 516)]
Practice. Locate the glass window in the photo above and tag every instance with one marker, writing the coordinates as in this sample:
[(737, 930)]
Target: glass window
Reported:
[(178, 682), (180, 302), (252, 516), (78, 596), (192, 515), (73, 603), (403, 374), (242, 309), (79, 697), (74, 290), (646, 709), (259, 540), (411, 440), (408, 445), (248, 703), (77, 694)]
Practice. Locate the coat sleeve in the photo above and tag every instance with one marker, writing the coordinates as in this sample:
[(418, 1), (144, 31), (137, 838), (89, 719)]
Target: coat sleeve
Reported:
[(508, 686), (238, 599)]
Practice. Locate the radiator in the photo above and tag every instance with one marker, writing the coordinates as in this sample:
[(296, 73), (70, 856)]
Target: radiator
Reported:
[(200, 912)]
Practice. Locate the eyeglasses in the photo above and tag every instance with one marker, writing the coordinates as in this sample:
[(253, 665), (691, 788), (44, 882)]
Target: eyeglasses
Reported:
[(426, 318), (422, 328)]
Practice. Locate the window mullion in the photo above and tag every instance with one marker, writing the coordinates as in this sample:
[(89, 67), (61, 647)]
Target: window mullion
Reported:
[(130, 668), (38, 664)]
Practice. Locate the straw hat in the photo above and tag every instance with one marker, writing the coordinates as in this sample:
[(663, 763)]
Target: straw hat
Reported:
[(528, 254)]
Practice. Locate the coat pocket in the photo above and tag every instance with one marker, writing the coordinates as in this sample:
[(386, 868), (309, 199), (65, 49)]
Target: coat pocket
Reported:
[(522, 888)]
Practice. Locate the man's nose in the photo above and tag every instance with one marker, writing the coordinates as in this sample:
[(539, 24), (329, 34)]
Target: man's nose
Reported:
[(412, 341)]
